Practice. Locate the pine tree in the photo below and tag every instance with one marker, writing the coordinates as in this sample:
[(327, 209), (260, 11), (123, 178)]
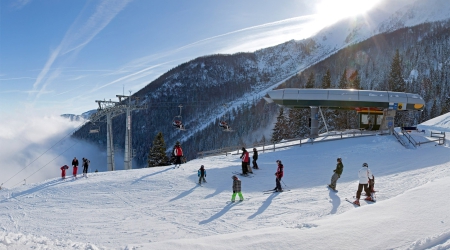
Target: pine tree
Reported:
[(326, 80), (311, 81), (355, 80), (343, 84), (395, 81), (279, 131), (157, 155), (446, 105), (293, 123), (434, 110)]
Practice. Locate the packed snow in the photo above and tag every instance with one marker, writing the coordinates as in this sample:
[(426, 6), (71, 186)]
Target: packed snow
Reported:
[(165, 208)]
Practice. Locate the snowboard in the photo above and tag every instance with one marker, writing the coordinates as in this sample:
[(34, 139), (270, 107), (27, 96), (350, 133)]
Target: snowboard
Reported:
[(335, 190)]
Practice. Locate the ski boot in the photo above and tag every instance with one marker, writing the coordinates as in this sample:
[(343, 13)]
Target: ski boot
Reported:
[(356, 202)]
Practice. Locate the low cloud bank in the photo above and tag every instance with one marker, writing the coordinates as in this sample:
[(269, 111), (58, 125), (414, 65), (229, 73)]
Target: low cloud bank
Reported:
[(33, 148)]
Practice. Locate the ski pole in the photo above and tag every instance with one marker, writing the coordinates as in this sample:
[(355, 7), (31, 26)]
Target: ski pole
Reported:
[(284, 183)]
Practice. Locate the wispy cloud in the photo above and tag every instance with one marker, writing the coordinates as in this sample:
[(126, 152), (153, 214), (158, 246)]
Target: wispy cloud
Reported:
[(135, 75), (82, 31), (19, 4), (17, 78)]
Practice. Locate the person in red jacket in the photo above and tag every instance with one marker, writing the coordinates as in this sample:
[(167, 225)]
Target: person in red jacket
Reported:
[(279, 175), (63, 171), (245, 160), (75, 166), (178, 152)]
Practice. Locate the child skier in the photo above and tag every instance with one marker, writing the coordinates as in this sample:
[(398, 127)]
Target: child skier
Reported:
[(85, 166), (63, 171), (365, 176), (236, 188), (255, 158), (201, 175), (279, 174)]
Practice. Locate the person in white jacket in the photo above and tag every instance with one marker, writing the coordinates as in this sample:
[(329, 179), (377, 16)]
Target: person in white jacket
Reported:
[(364, 175)]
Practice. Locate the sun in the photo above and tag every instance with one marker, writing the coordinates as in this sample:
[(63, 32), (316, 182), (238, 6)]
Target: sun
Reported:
[(331, 11)]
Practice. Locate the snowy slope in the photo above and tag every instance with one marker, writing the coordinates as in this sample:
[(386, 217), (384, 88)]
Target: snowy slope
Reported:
[(437, 124), (387, 16), (164, 208)]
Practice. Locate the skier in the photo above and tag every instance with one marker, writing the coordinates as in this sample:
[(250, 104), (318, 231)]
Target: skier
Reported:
[(201, 174), (236, 189), (245, 158), (279, 174), (365, 176), (63, 171), (255, 158), (178, 152), (75, 166), (85, 166), (337, 174)]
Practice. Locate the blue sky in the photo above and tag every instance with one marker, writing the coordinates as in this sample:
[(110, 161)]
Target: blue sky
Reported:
[(59, 56)]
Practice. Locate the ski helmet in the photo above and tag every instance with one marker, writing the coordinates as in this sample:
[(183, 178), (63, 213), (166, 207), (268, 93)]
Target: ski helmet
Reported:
[(365, 165), (234, 177), (339, 159)]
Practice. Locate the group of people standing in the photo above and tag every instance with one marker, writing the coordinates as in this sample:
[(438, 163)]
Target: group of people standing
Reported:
[(366, 181), (75, 165), (246, 161)]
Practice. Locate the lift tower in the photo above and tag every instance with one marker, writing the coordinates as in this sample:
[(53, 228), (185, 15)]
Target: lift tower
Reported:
[(128, 156)]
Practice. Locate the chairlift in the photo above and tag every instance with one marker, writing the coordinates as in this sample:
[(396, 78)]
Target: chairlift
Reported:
[(223, 124), (177, 120), (94, 129)]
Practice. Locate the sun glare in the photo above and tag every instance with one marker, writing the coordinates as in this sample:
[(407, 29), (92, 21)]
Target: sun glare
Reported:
[(331, 11)]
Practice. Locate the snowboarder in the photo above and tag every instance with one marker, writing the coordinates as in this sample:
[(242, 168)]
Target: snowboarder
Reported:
[(85, 166), (365, 176), (279, 174), (255, 158), (178, 152), (236, 189), (63, 171), (201, 174), (75, 166), (245, 159), (337, 174)]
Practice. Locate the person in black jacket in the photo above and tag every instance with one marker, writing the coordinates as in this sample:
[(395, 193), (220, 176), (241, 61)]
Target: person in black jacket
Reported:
[(85, 166), (255, 158)]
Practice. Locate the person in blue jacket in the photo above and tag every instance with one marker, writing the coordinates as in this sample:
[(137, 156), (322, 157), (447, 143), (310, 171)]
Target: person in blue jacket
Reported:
[(201, 174)]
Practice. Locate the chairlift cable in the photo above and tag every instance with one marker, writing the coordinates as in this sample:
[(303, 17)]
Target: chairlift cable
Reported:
[(48, 162), (29, 164)]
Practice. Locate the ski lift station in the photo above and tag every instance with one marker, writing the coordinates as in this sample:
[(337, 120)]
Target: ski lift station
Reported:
[(375, 108)]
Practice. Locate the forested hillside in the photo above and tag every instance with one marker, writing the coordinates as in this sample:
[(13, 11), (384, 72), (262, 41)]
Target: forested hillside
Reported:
[(414, 59), (205, 84)]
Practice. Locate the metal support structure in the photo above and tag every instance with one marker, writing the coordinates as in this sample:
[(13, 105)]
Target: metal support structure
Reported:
[(109, 143), (111, 109), (323, 119), (128, 152), (314, 122)]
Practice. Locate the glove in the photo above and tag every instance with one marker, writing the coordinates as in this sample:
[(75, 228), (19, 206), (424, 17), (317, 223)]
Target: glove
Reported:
[(334, 170)]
